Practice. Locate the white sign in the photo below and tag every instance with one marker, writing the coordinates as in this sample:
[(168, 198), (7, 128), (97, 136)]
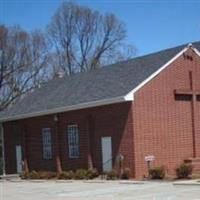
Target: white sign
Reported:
[(149, 158), (120, 157)]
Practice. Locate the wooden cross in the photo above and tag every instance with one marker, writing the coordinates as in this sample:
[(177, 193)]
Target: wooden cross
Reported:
[(192, 95)]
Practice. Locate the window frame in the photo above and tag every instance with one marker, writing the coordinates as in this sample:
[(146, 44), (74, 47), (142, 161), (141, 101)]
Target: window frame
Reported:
[(47, 144), (183, 97), (74, 145)]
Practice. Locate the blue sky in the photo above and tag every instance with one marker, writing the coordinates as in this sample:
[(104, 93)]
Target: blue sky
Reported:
[(152, 25)]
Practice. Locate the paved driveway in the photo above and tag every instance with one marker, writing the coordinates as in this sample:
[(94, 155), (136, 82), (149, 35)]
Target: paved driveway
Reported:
[(113, 190)]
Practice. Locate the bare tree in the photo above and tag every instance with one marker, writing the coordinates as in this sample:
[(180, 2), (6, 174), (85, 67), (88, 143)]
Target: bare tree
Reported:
[(84, 39), (23, 63), (81, 39)]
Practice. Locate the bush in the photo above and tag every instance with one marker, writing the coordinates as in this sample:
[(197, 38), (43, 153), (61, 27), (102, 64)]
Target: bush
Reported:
[(126, 174), (38, 175), (112, 175), (66, 175), (80, 174), (47, 175), (24, 175), (33, 175), (184, 170), (92, 173), (157, 173)]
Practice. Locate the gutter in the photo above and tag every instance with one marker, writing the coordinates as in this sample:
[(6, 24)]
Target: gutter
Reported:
[(67, 108)]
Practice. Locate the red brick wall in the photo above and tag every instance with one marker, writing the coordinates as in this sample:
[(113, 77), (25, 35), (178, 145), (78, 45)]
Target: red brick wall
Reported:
[(162, 125), (112, 120)]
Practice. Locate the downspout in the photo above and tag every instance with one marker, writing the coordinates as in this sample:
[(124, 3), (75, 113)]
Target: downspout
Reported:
[(57, 148), (3, 149)]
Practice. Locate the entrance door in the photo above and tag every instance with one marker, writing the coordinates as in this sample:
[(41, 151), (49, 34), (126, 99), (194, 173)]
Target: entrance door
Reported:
[(19, 158), (106, 146)]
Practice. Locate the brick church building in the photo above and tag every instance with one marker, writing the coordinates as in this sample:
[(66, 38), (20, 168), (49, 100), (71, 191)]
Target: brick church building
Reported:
[(146, 106)]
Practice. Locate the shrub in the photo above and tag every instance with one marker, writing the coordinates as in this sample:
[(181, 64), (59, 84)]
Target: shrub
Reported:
[(157, 173), (92, 173), (126, 174), (66, 175), (38, 175), (24, 175), (33, 175), (112, 175), (47, 175), (80, 174), (184, 170)]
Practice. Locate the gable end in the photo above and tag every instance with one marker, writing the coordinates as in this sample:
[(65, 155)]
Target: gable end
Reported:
[(130, 95)]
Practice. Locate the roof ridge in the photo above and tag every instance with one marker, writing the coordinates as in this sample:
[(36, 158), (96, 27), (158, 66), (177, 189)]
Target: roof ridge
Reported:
[(154, 53), (123, 61), (137, 57)]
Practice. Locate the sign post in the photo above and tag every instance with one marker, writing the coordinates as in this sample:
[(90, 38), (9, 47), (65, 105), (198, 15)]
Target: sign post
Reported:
[(120, 159), (149, 159)]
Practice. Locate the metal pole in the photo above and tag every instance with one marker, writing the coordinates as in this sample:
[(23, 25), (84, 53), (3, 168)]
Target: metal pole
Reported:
[(3, 149)]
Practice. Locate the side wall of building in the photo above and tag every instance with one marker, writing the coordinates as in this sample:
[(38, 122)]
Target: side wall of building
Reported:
[(112, 120), (163, 125)]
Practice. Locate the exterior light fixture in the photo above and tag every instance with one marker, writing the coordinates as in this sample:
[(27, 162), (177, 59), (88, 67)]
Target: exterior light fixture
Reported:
[(55, 118)]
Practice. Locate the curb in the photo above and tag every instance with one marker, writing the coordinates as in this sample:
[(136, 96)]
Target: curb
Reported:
[(192, 183), (132, 182)]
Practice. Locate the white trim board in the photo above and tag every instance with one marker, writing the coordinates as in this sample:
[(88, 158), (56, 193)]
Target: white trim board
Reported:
[(196, 51), (130, 95), (66, 108)]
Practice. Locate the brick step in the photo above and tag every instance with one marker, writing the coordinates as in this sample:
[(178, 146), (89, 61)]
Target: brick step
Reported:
[(192, 160), (196, 168), (195, 163)]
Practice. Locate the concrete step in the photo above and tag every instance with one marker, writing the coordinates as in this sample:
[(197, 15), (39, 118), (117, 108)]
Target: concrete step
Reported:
[(10, 177)]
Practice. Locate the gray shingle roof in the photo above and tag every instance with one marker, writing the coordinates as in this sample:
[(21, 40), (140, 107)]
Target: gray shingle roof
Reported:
[(108, 82)]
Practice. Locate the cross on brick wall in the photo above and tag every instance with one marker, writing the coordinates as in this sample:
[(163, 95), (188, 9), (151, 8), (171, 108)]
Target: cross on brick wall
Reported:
[(192, 95)]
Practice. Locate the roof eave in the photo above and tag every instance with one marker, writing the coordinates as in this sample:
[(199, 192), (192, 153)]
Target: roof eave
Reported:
[(92, 104)]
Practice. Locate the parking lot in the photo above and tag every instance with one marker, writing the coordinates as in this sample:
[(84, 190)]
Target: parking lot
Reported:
[(97, 190)]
